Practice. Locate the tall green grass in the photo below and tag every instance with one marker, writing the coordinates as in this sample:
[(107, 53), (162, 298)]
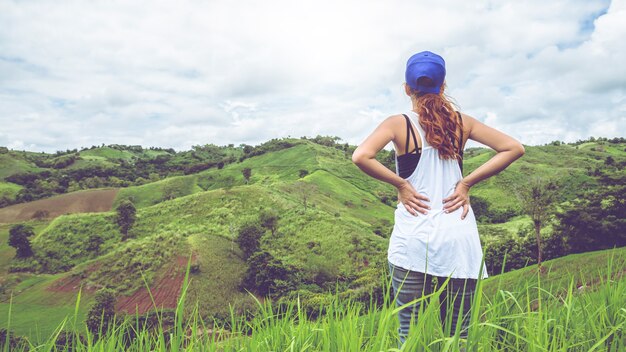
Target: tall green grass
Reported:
[(526, 317)]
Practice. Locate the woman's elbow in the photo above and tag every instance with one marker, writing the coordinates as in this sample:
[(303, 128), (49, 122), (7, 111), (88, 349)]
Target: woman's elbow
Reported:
[(357, 157), (520, 150)]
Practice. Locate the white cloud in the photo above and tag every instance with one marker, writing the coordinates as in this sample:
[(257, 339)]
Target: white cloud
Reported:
[(176, 74)]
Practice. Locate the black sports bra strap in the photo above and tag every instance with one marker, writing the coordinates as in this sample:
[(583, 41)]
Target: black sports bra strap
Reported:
[(409, 131)]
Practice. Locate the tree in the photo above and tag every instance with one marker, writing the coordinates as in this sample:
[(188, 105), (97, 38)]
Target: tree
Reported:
[(609, 161), (537, 198), (480, 206), (249, 238), (328, 141), (126, 214), (304, 190), (267, 275), (19, 239), (303, 172), (102, 314), (247, 172), (595, 221), (556, 245), (345, 148), (518, 254), (269, 219), (247, 149), (170, 191)]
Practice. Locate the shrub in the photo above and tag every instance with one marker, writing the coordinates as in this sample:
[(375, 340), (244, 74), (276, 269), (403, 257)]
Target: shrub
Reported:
[(249, 238), (102, 313), (68, 340), (267, 275), (194, 268), (269, 219), (19, 239), (14, 342), (596, 221), (247, 172), (518, 255), (126, 215), (24, 265)]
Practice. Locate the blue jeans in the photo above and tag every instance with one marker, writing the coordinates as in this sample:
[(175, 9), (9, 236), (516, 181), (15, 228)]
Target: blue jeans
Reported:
[(409, 285)]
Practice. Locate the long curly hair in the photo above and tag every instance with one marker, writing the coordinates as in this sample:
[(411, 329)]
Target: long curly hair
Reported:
[(439, 120)]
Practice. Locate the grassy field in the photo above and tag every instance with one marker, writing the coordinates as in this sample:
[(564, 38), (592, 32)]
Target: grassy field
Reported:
[(106, 153), (279, 166), (344, 225), (585, 269), (527, 315), (37, 311), (208, 220), (14, 163), (9, 190), (210, 287), (159, 191)]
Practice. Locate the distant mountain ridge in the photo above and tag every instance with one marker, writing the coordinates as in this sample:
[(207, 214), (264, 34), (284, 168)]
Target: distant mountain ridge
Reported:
[(26, 176)]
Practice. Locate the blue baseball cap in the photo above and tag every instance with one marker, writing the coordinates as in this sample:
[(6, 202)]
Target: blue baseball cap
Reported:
[(425, 64)]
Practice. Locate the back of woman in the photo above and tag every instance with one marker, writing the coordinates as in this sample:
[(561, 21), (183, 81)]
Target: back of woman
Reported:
[(439, 243), (435, 235)]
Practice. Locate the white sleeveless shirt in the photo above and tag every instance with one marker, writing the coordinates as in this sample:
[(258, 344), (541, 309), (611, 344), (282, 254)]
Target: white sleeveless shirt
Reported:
[(436, 243)]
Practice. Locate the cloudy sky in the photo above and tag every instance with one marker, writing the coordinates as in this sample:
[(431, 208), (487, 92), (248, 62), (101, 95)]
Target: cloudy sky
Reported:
[(181, 73)]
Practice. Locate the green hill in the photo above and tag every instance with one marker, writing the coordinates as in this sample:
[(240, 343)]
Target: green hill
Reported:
[(585, 269), (578, 165), (40, 175), (566, 294), (332, 230), (14, 162), (572, 166)]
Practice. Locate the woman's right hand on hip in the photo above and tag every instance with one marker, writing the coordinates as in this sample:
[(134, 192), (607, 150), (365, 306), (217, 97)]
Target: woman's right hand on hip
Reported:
[(412, 200)]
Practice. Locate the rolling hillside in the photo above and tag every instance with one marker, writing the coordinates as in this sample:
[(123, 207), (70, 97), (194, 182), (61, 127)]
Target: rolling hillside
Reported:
[(205, 223), (333, 227)]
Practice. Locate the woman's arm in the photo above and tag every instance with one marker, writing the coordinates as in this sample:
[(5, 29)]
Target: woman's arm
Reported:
[(508, 150), (364, 157)]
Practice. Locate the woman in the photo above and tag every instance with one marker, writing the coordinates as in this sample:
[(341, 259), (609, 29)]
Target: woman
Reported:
[(435, 233)]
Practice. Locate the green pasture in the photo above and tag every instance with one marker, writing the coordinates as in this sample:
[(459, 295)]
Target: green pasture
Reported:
[(531, 312), (14, 163)]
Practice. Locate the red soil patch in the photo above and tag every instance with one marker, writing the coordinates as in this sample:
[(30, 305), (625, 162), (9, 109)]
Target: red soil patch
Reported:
[(72, 283), (89, 201), (69, 283), (165, 290)]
